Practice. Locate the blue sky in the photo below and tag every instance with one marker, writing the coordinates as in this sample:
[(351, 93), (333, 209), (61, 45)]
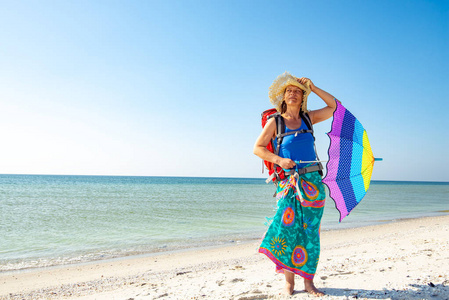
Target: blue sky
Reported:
[(176, 88)]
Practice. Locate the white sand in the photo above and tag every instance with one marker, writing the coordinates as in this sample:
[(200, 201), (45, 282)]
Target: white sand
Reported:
[(401, 260)]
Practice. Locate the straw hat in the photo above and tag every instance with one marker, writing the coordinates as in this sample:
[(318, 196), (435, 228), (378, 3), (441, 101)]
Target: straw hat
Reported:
[(277, 90)]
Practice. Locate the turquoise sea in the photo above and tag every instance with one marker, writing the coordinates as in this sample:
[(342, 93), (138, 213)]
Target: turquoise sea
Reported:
[(50, 220)]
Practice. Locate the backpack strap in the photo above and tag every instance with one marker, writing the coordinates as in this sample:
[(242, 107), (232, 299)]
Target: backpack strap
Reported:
[(305, 116), (296, 132), (280, 129)]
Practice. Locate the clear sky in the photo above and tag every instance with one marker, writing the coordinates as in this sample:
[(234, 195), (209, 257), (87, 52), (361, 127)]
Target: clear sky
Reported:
[(176, 88)]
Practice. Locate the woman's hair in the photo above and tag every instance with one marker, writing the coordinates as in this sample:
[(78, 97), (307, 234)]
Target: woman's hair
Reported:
[(284, 107)]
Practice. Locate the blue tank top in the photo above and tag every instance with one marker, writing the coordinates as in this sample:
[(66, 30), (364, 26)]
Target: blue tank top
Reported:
[(300, 147)]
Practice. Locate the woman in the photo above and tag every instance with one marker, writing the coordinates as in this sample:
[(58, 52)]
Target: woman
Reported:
[(292, 240)]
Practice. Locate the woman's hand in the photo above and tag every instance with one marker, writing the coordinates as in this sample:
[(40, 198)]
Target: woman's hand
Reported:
[(286, 163), (324, 113), (307, 82)]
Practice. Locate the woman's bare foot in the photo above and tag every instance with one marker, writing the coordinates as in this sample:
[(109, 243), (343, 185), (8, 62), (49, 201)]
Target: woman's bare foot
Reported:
[(288, 289), (310, 288), (289, 283)]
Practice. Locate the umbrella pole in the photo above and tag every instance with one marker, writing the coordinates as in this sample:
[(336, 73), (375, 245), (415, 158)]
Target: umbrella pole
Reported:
[(310, 161)]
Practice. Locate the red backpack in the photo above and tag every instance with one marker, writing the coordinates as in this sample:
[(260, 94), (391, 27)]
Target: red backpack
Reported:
[(276, 172), (266, 115)]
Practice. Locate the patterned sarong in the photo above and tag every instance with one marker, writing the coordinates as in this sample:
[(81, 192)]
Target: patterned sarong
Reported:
[(292, 241)]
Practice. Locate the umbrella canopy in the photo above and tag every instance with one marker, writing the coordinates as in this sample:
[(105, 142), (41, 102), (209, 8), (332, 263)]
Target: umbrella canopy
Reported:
[(350, 162)]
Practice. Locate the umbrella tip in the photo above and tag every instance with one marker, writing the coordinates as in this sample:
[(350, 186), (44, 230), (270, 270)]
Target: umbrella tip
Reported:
[(378, 159)]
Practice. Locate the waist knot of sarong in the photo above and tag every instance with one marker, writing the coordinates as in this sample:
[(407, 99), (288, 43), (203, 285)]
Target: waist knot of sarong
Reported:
[(288, 184)]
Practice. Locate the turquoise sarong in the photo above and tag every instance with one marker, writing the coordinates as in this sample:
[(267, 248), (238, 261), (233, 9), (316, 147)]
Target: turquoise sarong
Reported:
[(292, 241)]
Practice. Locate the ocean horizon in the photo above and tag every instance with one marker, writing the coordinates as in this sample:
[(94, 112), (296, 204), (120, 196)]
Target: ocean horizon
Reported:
[(49, 220), (212, 177)]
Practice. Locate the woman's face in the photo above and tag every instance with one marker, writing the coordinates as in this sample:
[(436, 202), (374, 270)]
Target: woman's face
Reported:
[(293, 95)]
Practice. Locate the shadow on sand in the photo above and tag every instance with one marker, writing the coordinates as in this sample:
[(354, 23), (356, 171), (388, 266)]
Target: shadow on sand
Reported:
[(413, 291)]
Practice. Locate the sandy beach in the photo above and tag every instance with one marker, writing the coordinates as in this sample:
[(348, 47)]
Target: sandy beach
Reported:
[(407, 259)]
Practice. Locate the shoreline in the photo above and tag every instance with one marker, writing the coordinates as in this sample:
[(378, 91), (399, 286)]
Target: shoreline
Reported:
[(347, 257), (217, 244)]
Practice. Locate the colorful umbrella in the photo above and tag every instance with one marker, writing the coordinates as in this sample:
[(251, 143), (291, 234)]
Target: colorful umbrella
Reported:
[(350, 162)]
